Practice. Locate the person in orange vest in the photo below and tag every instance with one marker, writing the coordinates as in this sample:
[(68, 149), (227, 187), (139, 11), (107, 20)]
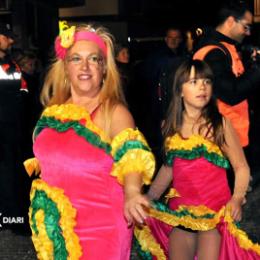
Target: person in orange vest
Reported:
[(234, 82)]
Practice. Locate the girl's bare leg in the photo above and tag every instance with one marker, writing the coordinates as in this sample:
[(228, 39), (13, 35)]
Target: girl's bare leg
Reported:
[(182, 245), (209, 245)]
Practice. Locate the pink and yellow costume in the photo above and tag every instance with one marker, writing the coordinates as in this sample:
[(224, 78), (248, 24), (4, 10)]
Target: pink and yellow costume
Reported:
[(77, 205), (199, 194)]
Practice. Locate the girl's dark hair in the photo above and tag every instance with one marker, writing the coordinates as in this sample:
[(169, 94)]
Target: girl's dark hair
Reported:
[(174, 119)]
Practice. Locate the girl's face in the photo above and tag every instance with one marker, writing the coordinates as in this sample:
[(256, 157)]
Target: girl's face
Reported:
[(85, 68), (196, 92)]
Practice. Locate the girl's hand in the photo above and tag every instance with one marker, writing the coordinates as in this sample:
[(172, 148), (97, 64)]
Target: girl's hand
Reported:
[(135, 208), (235, 205)]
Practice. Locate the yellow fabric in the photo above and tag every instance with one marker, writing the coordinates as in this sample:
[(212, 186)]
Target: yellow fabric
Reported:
[(135, 160), (66, 34), (171, 194), (67, 223), (204, 224), (176, 143), (241, 236), (188, 221), (32, 166), (75, 113), (149, 243), (44, 250), (126, 135)]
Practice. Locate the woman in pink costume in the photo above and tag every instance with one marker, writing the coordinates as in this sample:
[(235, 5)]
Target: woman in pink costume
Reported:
[(92, 161), (200, 221)]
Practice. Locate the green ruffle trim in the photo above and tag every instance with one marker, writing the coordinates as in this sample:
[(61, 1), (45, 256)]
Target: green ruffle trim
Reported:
[(81, 130), (51, 221), (145, 255), (183, 213), (129, 145), (197, 152)]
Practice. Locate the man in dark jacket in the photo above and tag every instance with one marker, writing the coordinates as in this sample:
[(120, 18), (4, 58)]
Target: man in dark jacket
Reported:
[(234, 82), (157, 74)]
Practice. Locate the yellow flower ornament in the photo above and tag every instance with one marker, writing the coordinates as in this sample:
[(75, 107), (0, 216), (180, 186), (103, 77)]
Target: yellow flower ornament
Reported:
[(66, 34)]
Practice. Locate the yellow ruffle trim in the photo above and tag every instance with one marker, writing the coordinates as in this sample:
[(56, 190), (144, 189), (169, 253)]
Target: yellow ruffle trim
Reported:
[(126, 135), (75, 113), (135, 160), (149, 243), (32, 165), (241, 237), (187, 221), (176, 142), (67, 223), (45, 249)]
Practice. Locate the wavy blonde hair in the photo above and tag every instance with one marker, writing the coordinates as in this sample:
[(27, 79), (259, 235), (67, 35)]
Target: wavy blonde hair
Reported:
[(56, 88)]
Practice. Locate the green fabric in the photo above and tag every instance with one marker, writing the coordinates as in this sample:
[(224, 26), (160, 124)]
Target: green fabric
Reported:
[(197, 152), (51, 220), (164, 208), (129, 145), (145, 255), (81, 130)]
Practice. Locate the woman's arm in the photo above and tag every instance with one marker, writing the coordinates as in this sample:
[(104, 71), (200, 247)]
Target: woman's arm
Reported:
[(236, 156), (160, 183), (135, 202)]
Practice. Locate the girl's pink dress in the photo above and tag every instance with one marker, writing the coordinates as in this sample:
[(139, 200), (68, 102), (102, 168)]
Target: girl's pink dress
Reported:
[(199, 194), (77, 205)]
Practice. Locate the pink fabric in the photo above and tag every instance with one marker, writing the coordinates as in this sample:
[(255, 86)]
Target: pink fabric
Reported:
[(199, 182), (59, 50), (93, 37), (69, 162), (79, 36), (230, 249)]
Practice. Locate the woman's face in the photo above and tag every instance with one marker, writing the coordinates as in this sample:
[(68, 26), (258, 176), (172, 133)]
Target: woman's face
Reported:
[(84, 67)]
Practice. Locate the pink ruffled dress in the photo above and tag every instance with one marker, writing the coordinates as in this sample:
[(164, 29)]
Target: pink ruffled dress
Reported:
[(77, 204), (200, 192)]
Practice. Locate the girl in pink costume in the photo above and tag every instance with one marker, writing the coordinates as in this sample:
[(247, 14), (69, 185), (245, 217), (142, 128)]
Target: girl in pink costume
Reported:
[(92, 160), (201, 218)]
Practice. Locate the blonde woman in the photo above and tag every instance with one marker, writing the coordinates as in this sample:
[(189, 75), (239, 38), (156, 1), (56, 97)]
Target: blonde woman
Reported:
[(93, 161)]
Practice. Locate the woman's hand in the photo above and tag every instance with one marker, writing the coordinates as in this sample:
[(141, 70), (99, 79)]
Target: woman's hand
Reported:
[(235, 206), (135, 208)]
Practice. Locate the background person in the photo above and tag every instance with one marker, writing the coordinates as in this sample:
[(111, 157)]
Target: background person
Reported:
[(154, 86), (122, 57), (235, 80), (14, 183)]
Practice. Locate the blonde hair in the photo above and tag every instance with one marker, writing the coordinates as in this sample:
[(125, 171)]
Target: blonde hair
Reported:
[(56, 88)]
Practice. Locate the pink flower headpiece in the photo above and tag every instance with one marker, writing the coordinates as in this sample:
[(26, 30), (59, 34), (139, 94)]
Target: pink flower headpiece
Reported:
[(68, 36)]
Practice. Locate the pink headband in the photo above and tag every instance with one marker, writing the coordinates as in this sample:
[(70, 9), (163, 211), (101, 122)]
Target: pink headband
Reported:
[(82, 35)]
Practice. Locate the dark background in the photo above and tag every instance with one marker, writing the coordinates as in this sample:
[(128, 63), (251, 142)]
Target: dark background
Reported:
[(35, 22)]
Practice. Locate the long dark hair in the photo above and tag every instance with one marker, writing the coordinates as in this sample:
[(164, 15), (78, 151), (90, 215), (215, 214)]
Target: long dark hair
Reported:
[(174, 119)]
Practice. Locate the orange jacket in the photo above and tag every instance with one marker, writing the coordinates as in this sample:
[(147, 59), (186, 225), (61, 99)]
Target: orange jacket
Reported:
[(237, 114)]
